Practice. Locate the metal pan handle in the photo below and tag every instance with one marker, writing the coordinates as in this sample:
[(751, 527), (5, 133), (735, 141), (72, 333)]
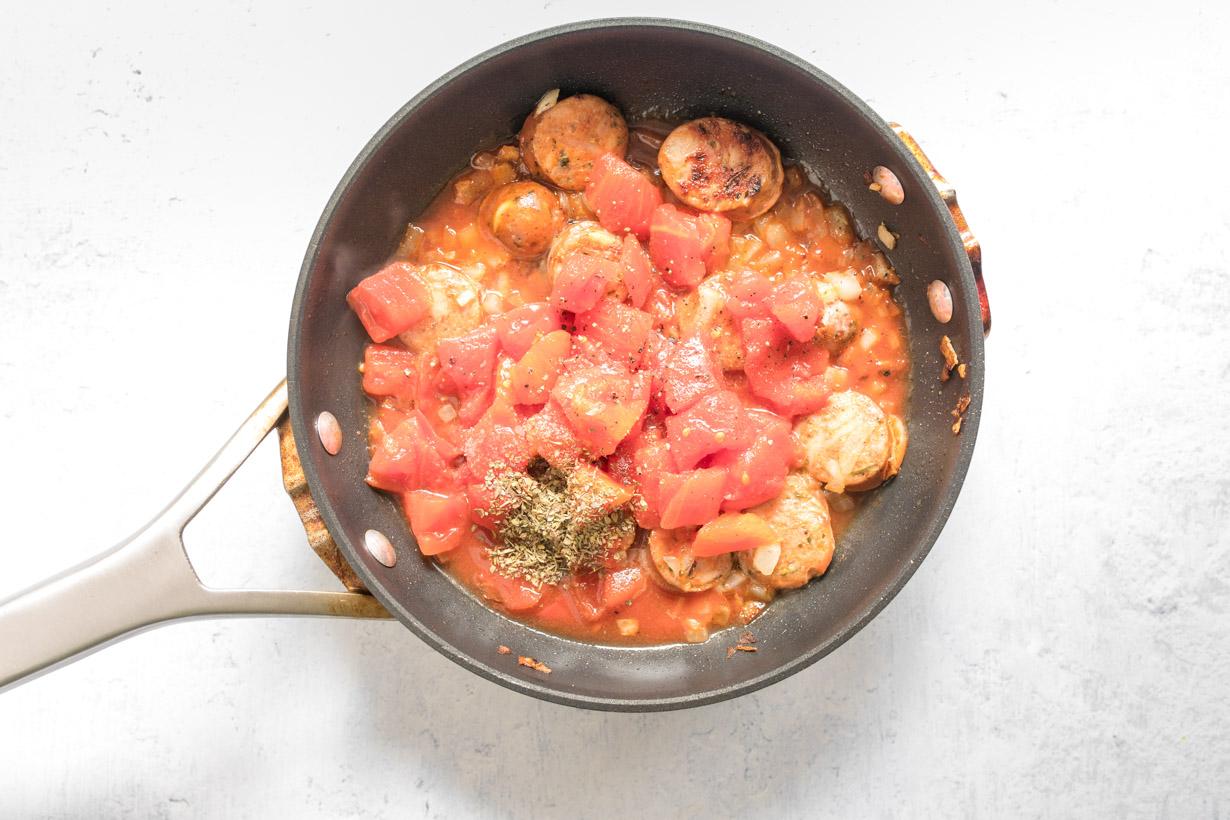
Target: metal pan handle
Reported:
[(148, 580)]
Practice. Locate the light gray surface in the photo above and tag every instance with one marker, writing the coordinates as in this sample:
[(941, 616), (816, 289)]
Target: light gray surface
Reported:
[(1063, 652)]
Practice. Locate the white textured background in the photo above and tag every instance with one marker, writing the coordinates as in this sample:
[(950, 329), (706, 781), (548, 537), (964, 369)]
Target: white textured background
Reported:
[(1065, 650)]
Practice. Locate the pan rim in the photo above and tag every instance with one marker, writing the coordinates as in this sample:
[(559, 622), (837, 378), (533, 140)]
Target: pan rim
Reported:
[(857, 619)]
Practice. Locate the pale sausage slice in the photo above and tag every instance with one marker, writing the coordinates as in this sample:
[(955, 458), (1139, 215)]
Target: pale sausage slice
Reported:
[(561, 142), (800, 517)]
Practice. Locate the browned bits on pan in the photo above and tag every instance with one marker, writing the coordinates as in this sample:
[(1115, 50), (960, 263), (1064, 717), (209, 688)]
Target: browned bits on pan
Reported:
[(958, 413), (962, 370), (716, 164), (885, 182), (745, 644), (537, 666), (949, 352), (503, 650), (940, 300), (887, 238)]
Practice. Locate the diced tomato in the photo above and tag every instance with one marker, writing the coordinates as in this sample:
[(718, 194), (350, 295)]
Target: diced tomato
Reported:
[(648, 455), (533, 377), (602, 404), (522, 326), (585, 596), (497, 441), (482, 503), (749, 295), (758, 472), (438, 520), (549, 435), (676, 248), (468, 362), (691, 498), (798, 306), (687, 372), (391, 301), (714, 422), (583, 280), (639, 275), (733, 532), (409, 458), (516, 594), (715, 239), (619, 330), (389, 371), (623, 198), (787, 374), (621, 587)]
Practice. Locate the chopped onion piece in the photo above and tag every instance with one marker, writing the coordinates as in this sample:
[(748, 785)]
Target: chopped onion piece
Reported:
[(765, 558)]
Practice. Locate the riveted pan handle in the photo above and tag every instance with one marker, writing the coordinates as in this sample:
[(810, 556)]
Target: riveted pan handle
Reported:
[(949, 194), (148, 580)]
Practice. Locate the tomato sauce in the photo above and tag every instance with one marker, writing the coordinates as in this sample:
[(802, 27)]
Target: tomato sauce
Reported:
[(453, 402)]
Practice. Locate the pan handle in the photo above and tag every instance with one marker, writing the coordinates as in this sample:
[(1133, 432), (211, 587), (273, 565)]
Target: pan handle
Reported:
[(148, 580)]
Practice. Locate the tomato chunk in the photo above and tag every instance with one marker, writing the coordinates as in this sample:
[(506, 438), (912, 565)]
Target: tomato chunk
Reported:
[(438, 520), (411, 457), (686, 247), (520, 327), (618, 330), (638, 463), (390, 301), (733, 532), (639, 276), (714, 422), (468, 362), (787, 374), (621, 587), (797, 305), (758, 472), (497, 442), (601, 404), (687, 372), (534, 376), (691, 498), (749, 295), (623, 198), (549, 435), (389, 371), (583, 280)]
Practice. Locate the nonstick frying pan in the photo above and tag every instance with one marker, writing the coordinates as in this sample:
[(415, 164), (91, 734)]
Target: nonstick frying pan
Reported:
[(653, 68)]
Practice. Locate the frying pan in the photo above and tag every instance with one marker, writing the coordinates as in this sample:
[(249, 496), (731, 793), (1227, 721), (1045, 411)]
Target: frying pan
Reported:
[(654, 68)]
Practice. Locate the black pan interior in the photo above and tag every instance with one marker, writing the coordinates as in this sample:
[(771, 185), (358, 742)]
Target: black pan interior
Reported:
[(670, 70)]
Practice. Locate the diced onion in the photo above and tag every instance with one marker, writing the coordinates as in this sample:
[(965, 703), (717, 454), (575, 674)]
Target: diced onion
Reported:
[(765, 558), (546, 101), (628, 626)]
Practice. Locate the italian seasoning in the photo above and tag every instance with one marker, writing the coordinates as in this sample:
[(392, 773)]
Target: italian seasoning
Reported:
[(541, 537)]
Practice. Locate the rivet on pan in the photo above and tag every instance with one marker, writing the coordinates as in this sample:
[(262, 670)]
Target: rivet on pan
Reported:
[(886, 182), (380, 547), (330, 432), (940, 299)]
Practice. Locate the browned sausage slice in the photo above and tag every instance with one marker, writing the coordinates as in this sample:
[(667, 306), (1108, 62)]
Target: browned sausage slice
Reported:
[(524, 216), (716, 164), (561, 142)]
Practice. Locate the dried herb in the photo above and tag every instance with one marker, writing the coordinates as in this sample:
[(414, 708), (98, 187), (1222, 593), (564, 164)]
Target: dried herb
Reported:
[(544, 534)]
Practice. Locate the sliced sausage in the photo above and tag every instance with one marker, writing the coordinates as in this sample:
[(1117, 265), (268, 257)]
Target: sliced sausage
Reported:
[(524, 216), (800, 516), (716, 164), (560, 142), (456, 307), (675, 566), (850, 445)]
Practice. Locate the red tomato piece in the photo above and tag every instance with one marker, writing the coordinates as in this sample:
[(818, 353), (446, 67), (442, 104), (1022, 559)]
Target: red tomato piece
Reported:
[(676, 246), (647, 457), (758, 473), (714, 422), (438, 520), (733, 532), (409, 458), (639, 276), (623, 198), (618, 330), (482, 504), (585, 596), (522, 326), (714, 232), (787, 374), (602, 404), (390, 301), (516, 594), (497, 442), (583, 280), (550, 436), (389, 371), (687, 372), (749, 295), (621, 587), (468, 362), (533, 377), (798, 306), (691, 498)]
